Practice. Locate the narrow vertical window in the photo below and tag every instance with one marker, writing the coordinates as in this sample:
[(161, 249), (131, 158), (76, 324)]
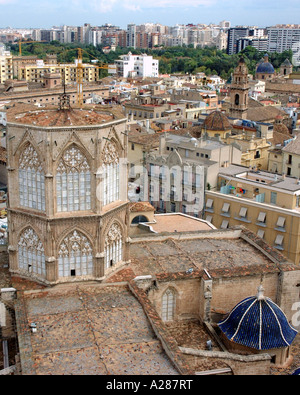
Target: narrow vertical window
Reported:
[(113, 251), (168, 305)]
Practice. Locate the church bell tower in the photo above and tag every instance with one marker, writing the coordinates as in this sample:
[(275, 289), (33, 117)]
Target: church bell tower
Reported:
[(239, 91)]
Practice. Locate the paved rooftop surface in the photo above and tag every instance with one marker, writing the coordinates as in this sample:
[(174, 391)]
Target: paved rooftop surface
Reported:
[(178, 223), (221, 257), (90, 329)]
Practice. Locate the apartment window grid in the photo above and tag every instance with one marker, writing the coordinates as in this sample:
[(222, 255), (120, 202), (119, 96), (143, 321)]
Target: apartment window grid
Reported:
[(75, 256), (73, 182), (31, 256), (31, 180)]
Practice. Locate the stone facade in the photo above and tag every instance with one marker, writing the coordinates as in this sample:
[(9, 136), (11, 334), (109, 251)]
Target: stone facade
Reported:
[(57, 206)]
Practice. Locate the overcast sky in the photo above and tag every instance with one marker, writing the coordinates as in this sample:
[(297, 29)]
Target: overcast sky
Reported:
[(48, 13)]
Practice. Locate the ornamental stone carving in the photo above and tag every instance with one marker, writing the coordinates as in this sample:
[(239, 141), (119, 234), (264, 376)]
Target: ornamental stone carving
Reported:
[(110, 153), (73, 161), (30, 240), (75, 242), (29, 159), (114, 234)]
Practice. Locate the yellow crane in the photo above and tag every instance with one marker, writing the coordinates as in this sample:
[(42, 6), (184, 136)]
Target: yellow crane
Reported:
[(79, 75), (27, 42)]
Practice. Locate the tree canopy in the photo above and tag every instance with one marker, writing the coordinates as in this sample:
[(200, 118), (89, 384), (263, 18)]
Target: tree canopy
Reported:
[(171, 59)]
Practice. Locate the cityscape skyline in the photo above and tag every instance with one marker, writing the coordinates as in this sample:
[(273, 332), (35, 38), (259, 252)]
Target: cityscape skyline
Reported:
[(33, 14)]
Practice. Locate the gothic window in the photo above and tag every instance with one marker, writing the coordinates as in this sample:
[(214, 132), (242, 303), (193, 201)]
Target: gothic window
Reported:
[(31, 253), (75, 256), (113, 246), (73, 181), (168, 305), (31, 180), (111, 173)]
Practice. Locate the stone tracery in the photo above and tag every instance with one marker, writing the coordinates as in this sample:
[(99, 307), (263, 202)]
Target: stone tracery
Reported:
[(75, 255), (113, 245), (31, 252)]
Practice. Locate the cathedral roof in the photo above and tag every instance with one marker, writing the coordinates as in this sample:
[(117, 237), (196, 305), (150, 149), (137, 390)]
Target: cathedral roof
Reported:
[(217, 121), (51, 117), (258, 323)]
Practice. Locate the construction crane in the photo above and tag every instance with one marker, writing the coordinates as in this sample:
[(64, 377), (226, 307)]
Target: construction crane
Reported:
[(27, 42), (79, 75)]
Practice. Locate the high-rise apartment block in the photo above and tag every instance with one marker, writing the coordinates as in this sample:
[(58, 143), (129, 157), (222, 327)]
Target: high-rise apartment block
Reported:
[(285, 37), (131, 35), (238, 33)]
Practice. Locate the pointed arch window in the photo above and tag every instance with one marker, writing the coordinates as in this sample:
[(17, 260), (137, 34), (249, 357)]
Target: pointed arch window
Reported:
[(31, 180), (75, 256), (73, 182), (113, 251), (168, 305), (111, 173), (31, 253)]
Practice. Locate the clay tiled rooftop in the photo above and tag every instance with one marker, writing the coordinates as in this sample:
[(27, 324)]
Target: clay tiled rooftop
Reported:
[(141, 207), (89, 330), (217, 121), (261, 114), (221, 257), (293, 147), (74, 117), (50, 116)]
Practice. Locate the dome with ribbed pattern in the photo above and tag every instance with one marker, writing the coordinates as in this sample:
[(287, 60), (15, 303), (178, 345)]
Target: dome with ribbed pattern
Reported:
[(258, 323), (265, 67), (217, 121)]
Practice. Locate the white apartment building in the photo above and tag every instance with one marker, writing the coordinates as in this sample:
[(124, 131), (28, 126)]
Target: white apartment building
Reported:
[(136, 66), (284, 37), (6, 69)]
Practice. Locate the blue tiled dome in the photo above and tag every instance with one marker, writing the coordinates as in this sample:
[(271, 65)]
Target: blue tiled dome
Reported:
[(258, 323), (296, 372), (265, 67)]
